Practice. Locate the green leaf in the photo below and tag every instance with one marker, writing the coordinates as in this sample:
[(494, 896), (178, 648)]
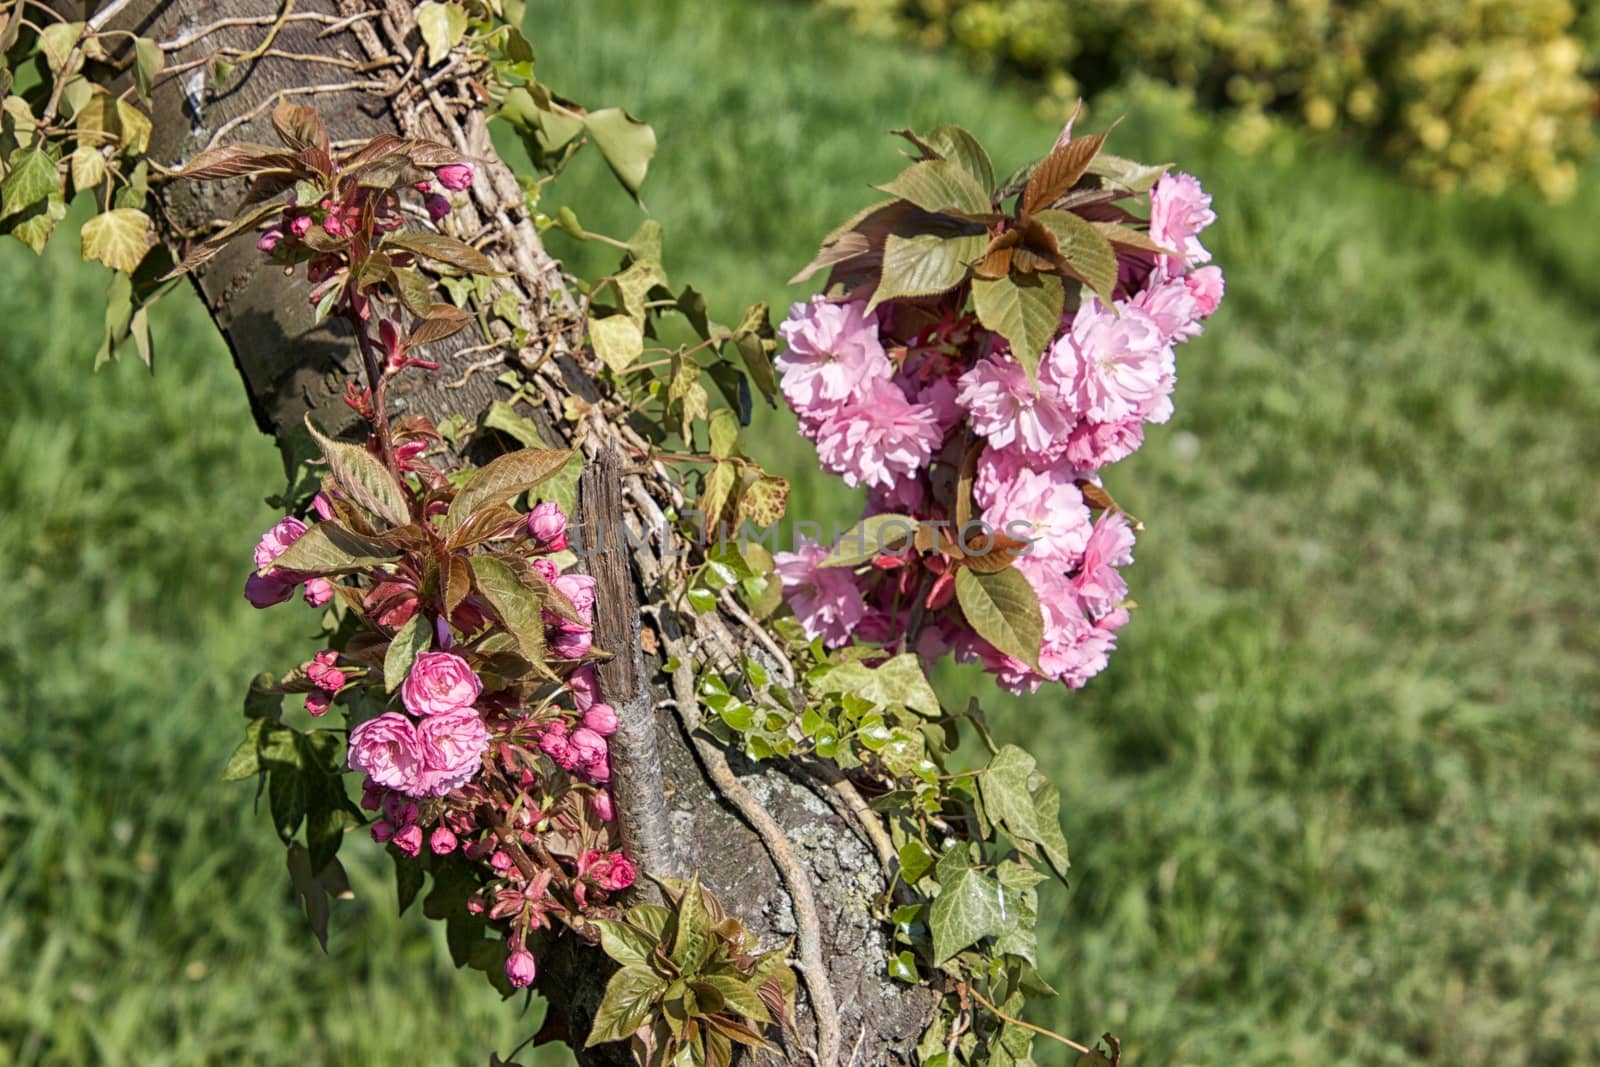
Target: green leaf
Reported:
[(903, 967), (694, 939), (1085, 248), (630, 998), (148, 61), (410, 642), (968, 909), (626, 943), (1006, 799), (88, 167), (408, 878), (627, 144), (898, 681), (118, 238), (57, 42), (442, 27), (938, 185), (364, 477), (1133, 176), (914, 862), (1052, 842), (869, 538), (35, 225), (739, 995), (924, 264), (329, 548), (31, 179), (517, 605), (503, 478), (724, 433), (764, 501), (962, 149), (617, 340), (1026, 312), (1003, 608), (752, 339)]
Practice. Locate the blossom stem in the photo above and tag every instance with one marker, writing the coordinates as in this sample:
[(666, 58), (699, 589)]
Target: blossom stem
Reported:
[(380, 395)]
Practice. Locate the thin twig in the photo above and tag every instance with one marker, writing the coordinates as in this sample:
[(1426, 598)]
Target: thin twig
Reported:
[(333, 23), (106, 14), (278, 97), (1041, 1031)]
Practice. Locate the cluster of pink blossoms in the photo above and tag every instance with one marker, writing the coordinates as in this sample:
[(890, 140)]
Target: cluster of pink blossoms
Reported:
[(893, 397), (452, 752)]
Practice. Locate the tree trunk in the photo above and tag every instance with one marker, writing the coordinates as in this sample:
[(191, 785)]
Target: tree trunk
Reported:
[(292, 367)]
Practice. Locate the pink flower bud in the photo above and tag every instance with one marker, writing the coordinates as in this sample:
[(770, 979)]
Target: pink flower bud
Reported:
[(299, 225), (600, 804), (475, 904), (327, 657), (371, 795), (269, 240), (570, 643), (601, 718), (409, 840), (438, 207), (583, 687), (322, 506), (333, 224), (500, 861), (547, 524), (382, 831), (317, 702), (442, 841), (264, 592), (618, 874), (599, 772), (455, 176), (521, 968), (590, 747), (276, 541)]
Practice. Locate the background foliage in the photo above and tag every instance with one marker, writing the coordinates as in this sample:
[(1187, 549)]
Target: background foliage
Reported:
[(1333, 803), (1474, 93)]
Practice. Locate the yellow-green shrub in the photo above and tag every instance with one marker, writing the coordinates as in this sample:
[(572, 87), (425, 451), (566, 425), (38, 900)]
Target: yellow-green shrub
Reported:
[(1479, 94)]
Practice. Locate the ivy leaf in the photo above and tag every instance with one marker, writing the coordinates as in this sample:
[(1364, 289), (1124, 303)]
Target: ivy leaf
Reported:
[(517, 604), (1025, 311), (410, 642), (56, 41), (914, 862), (32, 178), (503, 478), (1003, 608), (869, 538), (1052, 842), (968, 909), (717, 493), (117, 238), (627, 144), (924, 264), (34, 227), (1006, 799), (764, 501), (939, 186), (88, 167), (724, 433), (626, 943), (1085, 248), (617, 340), (148, 62), (751, 339), (442, 27), (329, 548), (899, 681), (364, 477), (630, 999)]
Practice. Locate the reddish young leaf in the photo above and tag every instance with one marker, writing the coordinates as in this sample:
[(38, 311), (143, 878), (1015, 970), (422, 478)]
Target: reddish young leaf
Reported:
[(1059, 171)]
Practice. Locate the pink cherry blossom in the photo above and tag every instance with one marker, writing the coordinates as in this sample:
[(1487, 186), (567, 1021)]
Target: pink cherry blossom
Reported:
[(824, 599), (318, 591), (442, 842), (1179, 210), (452, 744), (1173, 307), (1045, 509), (1092, 445), (832, 352), (1009, 410), (600, 803), (277, 540), (879, 438), (409, 840), (1098, 583), (1110, 362), (1207, 286), (578, 588), (386, 749), (438, 683), (583, 686), (589, 747), (547, 525)]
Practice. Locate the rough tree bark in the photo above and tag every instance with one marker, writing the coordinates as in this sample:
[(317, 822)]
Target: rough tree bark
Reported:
[(291, 367)]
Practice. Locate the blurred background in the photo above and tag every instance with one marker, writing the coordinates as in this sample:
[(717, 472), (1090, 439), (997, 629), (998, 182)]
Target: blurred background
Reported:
[(1334, 801)]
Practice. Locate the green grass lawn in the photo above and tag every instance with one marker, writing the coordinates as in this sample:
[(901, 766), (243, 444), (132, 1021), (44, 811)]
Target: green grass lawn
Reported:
[(1333, 802)]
